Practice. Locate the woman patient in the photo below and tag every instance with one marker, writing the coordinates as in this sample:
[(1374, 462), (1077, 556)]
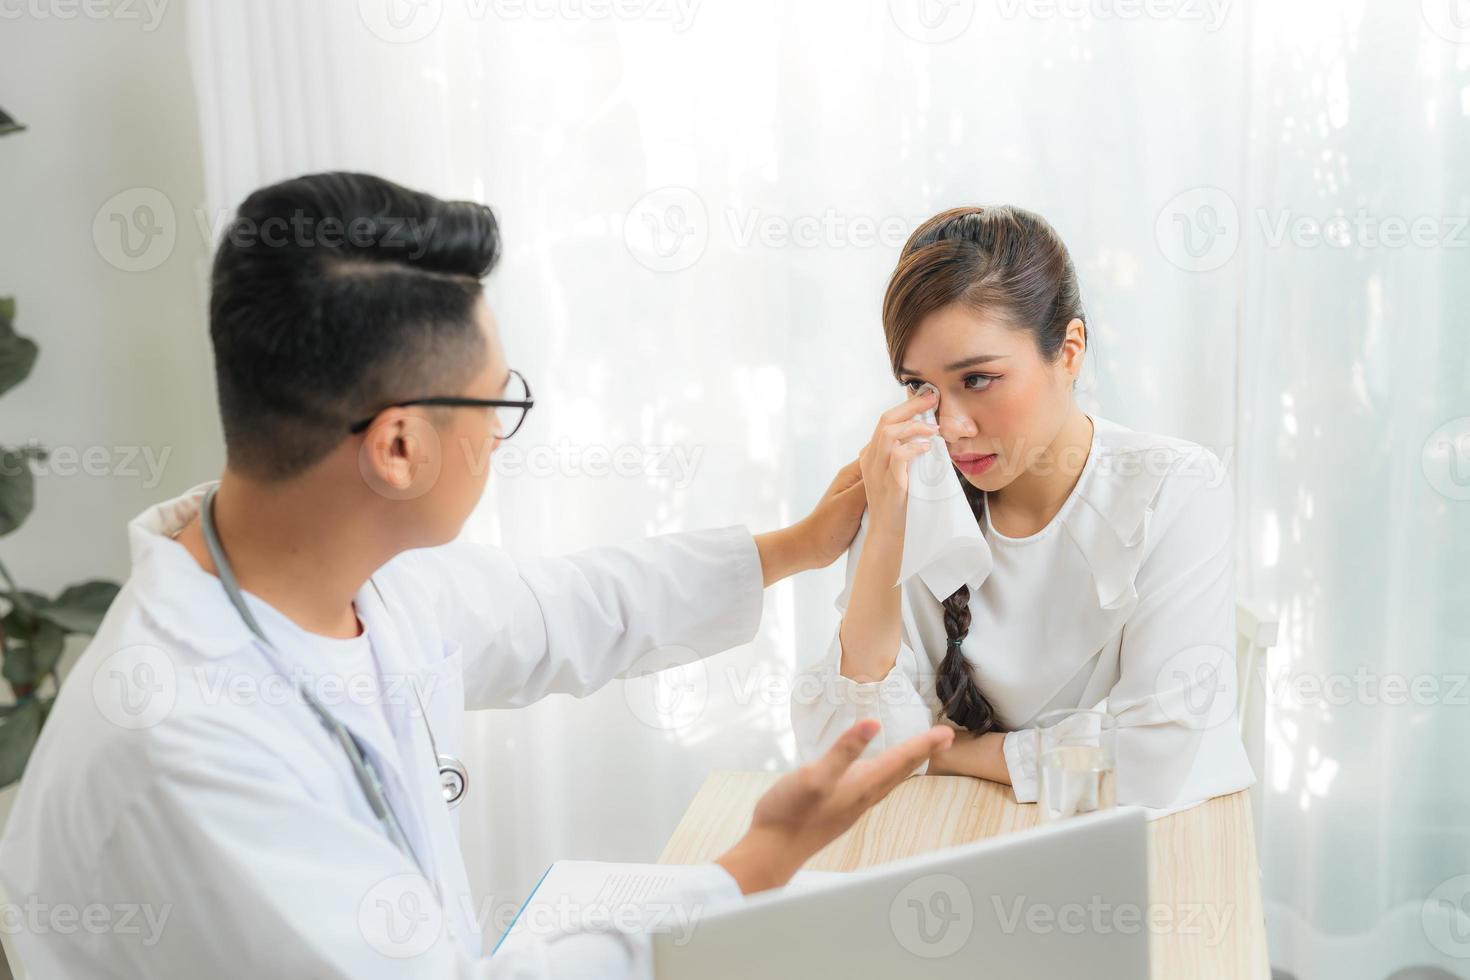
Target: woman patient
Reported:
[(1111, 583)]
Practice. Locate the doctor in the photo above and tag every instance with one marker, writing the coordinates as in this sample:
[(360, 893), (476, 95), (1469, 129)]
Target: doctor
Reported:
[(246, 774)]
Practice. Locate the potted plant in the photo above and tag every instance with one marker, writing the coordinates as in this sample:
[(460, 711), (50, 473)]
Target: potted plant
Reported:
[(33, 627)]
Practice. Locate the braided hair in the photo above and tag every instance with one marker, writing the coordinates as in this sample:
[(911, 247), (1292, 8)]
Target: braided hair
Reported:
[(959, 696)]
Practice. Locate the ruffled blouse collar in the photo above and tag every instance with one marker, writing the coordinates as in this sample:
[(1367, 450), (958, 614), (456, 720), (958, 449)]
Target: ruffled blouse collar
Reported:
[(1108, 511), (1106, 516)]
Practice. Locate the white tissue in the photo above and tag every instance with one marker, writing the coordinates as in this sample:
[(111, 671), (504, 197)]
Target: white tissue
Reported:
[(942, 542)]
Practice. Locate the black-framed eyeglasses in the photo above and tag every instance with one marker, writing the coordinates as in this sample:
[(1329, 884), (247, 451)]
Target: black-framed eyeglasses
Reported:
[(509, 412)]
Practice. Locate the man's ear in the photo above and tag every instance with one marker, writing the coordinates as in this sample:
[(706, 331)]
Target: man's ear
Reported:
[(401, 455)]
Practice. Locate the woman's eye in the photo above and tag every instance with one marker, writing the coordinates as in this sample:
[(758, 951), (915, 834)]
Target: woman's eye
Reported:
[(978, 382), (912, 387)]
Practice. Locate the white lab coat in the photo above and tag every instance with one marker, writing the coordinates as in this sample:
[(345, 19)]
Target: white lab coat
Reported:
[(209, 826), (1124, 602)]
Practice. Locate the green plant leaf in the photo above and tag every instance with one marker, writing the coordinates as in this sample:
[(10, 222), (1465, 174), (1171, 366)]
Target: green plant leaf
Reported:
[(18, 621), (16, 356), (17, 488), (46, 647), (19, 730), (79, 608), (30, 657), (19, 668), (20, 618), (23, 642)]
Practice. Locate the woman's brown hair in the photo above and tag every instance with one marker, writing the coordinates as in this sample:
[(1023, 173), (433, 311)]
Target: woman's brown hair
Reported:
[(1008, 263)]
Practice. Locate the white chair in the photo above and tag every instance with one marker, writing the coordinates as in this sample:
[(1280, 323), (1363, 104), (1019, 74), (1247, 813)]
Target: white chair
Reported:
[(1255, 634)]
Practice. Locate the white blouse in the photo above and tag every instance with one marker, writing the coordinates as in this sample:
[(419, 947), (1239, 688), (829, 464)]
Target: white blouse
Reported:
[(1124, 601)]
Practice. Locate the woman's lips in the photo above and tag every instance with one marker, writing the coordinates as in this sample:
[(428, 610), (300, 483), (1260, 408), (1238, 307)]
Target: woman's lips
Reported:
[(973, 464)]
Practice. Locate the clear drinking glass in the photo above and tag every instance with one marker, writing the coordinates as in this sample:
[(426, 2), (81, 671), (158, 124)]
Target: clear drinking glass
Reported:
[(1077, 754)]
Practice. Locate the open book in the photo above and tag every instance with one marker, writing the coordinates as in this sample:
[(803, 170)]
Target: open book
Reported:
[(598, 896)]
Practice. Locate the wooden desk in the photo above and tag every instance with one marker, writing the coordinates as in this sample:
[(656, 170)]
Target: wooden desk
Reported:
[(1202, 861)]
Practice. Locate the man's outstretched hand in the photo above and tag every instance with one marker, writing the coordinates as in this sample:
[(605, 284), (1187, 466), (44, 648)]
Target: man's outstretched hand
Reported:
[(834, 522), (814, 805)]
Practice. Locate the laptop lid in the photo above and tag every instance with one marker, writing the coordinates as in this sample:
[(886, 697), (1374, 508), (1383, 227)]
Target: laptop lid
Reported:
[(1064, 899)]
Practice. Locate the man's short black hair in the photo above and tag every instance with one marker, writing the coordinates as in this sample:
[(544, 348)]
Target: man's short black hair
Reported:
[(333, 296)]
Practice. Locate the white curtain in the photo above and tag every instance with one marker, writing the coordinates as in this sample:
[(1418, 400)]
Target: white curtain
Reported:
[(701, 201), (1355, 476)]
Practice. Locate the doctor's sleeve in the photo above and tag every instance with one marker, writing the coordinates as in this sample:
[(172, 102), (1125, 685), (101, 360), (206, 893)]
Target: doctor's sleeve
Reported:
[(1174, 700), (570, 624), (239, 871), (824, 703)]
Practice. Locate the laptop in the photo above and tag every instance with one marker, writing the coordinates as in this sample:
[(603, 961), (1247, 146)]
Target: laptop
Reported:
[(1061, 900)]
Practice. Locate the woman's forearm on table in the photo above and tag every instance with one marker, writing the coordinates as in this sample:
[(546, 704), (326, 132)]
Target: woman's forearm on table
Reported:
[(974, 755)]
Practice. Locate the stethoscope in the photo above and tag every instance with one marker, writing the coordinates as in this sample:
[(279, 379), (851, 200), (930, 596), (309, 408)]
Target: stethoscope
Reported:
[(454, 779)]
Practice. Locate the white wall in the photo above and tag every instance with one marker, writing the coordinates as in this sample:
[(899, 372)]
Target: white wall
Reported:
[(124, 370)]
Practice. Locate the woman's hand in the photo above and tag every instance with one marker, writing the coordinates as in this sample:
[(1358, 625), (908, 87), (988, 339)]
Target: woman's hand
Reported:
[(871, 632), (813, 806), (897, 441)]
